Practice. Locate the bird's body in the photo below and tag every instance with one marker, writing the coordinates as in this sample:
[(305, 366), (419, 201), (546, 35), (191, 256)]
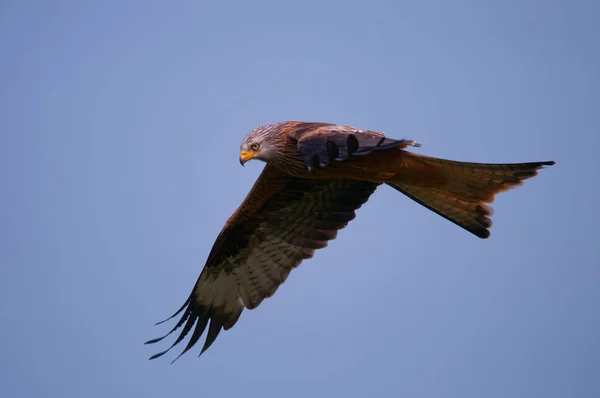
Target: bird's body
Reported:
[(316, 176)]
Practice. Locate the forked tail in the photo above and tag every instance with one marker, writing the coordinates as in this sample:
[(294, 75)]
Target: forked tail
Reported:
[(460, 191)]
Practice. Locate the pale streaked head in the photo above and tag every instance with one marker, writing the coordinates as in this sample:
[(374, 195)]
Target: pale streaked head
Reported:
[(260, 143)]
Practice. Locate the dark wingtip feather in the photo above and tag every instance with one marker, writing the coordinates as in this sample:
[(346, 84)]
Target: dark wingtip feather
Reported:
[(520, 176), (540, 165), (188, 326), (485, 221), (198, 330), (483, 233), (352, 144), (156, 340), (177, 326), (175, 314), (213, 331), (160, 354), (332, 150)]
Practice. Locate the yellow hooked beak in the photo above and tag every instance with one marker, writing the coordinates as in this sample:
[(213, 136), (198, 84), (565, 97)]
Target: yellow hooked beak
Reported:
[(246, 156)]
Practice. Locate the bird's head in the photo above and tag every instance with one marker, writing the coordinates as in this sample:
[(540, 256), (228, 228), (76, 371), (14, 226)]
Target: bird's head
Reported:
[(260, 143)]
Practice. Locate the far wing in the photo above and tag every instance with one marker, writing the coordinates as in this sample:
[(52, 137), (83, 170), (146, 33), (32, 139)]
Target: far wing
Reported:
[(282, 221), (324, 145)]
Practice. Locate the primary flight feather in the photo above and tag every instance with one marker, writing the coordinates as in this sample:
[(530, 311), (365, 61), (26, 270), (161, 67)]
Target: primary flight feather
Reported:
[(316, 176)]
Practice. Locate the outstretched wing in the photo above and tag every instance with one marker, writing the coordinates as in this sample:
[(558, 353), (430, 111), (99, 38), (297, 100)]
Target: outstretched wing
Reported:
[(282, 221), (322, 145)]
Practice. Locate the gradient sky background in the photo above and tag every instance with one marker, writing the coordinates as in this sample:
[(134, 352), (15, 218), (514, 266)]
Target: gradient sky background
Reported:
[(120, 127)]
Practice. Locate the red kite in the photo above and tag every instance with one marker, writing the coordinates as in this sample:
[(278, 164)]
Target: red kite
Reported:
[(316, 176)]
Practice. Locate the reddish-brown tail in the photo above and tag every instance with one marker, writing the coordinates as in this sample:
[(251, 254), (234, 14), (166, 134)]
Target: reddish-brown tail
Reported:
[(460, 191)]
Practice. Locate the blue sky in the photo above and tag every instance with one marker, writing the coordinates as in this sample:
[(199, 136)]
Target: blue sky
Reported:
[(120, 128)]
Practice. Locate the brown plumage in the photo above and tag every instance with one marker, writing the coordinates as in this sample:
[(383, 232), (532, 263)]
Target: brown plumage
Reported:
[(316, 176)]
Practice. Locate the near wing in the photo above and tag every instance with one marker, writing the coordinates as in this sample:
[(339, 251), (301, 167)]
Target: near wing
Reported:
[(324, 145), (282, 221)]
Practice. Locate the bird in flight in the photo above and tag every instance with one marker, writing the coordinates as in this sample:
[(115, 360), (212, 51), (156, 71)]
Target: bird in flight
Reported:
[(315, 178)]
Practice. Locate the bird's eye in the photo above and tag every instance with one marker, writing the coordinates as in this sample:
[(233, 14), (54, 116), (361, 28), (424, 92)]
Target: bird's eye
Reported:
[(254, 147)]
